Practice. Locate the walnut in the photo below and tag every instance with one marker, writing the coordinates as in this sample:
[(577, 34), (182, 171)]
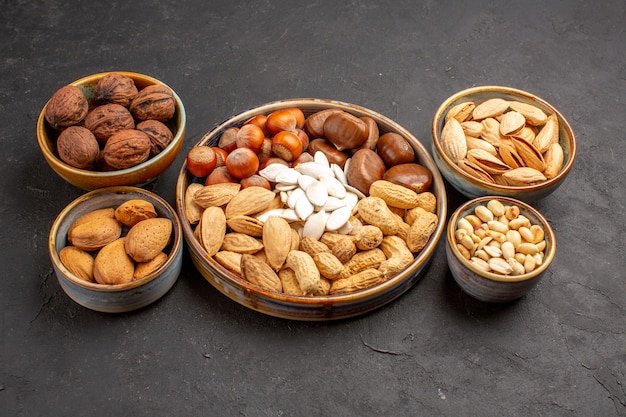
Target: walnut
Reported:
[(68, 106), (78, 147), (126, 149), (154, 102), (159, 134), (115, 88), (107, 119)]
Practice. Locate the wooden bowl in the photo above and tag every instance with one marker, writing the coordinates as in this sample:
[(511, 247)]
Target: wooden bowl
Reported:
[(137, 175), (314, 307), (473, 187), (117, 298)]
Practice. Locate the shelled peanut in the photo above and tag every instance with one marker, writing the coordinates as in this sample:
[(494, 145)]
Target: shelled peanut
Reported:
[(497, 238), (503, 142), (327, 216)]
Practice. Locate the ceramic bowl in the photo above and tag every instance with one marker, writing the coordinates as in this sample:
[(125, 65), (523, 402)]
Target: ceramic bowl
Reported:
[(138, 175), (491, 286), (472, 187), (315, 308), (121, 297)]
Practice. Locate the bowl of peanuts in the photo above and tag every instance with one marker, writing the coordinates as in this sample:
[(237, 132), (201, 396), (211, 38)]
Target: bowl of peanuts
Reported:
[(311, 209), (498, 248), (493, 140)]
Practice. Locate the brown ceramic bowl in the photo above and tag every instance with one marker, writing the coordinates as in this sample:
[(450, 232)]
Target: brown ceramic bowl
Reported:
[(471, 186), (314, 308), (491, 286), (121, 297), (138, 175)]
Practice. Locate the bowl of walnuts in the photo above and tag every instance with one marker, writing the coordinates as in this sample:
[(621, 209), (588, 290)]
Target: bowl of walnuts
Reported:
[(111, 129), (311, 209)]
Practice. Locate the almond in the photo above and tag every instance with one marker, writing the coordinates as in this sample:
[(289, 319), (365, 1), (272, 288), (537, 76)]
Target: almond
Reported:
[(131, 212), (113, 265), (148, 238), (95, 233), (78, 261)]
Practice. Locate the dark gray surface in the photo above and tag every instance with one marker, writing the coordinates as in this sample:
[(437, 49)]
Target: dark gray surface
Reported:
[(559, 351)]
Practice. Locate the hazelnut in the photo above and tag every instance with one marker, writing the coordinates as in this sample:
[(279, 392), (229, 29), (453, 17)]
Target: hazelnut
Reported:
[(159, 134), (126, 149), (154, 102), (107, 119), (115, 88), (68, 106), (78, 147)]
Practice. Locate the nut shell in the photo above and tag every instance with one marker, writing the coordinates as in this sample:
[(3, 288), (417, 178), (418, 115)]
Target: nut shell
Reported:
[(126, 149), (68, 106), (364, 168), (160, 135), (115, 88), (108, 119), (78, 147), (154, 102)]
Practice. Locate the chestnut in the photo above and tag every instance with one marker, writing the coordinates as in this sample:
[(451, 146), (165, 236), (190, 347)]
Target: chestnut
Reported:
[(279, 120), (394, 149), (334, 155), (314, 124), (364, 168), (413, 176), (372, 134), (345, 130)]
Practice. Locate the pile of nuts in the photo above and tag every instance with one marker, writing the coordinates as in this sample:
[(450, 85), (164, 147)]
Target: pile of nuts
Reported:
[(503, 142), (117, 245), (121, 127), (342, 212), (497, 238)]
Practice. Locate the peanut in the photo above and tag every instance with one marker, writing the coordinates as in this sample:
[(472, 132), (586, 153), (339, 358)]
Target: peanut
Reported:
[(306, 271)]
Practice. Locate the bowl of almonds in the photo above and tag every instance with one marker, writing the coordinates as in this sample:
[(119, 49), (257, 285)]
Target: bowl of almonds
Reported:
[(498, 248), (116, 249), (110, 129), (311, 209), (493, 140)]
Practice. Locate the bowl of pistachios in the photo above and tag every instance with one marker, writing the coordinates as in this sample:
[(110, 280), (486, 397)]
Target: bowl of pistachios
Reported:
[(493, 140)]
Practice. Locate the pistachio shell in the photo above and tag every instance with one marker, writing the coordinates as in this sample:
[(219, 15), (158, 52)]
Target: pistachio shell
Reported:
[(487, 161), (530, 155), (477, 143), (491, 132), (534, 115), (509, 156), (553, 159), (511, 123), (548, 134), (453, 140), (475, 171), (490, 108), (461, 112), (523, 176)]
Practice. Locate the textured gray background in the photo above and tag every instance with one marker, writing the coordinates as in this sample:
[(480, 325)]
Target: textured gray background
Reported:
[(559, 351)]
